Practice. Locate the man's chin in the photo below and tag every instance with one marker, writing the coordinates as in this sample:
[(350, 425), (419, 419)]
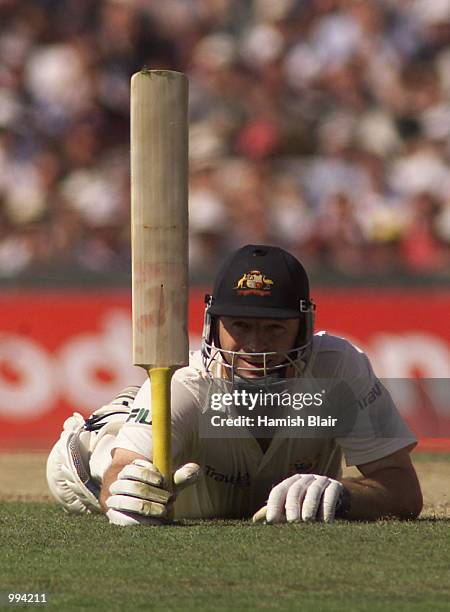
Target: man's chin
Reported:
[(247, 370), (250, 375)]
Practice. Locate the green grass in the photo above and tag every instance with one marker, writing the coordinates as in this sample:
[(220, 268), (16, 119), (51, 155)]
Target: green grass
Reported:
[(84, 563), (433, 457)]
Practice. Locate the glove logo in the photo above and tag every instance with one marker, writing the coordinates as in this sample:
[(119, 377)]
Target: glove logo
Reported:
[(304, 466), (254, 283)]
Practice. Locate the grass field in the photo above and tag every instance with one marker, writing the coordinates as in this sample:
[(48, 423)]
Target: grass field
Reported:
[(84, 563)]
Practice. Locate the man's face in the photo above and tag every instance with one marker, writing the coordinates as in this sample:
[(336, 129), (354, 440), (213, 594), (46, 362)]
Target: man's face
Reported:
[(247, 335)]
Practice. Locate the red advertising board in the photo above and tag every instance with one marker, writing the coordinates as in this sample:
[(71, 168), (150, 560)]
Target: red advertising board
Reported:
[(62, 351)]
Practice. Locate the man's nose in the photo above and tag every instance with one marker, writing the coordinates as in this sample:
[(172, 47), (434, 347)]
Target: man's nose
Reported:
[(256, 342)]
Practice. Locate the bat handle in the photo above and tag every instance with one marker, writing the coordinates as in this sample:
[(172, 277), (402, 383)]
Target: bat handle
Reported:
[(161, 422)]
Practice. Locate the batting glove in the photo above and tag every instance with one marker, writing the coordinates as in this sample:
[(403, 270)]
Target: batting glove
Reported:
[(139, 496), (302, 497)]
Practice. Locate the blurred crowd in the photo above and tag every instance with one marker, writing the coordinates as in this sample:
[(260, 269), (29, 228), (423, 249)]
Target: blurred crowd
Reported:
[(319, 125)]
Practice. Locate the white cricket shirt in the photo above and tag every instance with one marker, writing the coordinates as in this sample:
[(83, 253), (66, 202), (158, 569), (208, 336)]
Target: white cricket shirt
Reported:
[(238, 476)]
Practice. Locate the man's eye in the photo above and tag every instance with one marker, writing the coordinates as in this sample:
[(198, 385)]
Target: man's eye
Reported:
[(240, 325)]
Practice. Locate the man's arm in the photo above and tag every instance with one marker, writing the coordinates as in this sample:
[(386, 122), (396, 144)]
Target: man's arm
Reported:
[(120, 458), (389, 488)]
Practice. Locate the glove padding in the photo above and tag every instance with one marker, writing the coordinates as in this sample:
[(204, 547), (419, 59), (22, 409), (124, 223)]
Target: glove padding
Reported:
[(139, 495), (68, 472), (302, 497)]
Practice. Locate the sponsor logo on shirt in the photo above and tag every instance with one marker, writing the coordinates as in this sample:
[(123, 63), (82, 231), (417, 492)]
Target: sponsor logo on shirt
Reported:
[(237, 480), (140, 415), (368, 399)]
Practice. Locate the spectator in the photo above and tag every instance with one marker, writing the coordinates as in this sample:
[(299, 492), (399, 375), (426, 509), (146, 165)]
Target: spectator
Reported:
[(322, 126)]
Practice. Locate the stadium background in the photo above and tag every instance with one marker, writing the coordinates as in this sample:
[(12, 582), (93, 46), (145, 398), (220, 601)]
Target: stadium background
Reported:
[(321, 126)]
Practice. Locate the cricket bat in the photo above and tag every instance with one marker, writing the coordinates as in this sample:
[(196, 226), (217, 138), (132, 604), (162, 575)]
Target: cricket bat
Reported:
[(159, 239)]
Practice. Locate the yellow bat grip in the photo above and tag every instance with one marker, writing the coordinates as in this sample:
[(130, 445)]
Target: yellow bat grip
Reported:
[(162, 442)]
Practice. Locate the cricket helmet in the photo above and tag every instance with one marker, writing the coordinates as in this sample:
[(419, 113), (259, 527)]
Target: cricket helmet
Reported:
[(259, 281)]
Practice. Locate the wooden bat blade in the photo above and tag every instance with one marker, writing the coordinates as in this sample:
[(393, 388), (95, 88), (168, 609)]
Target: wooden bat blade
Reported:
[(159, 218), (159, 231)]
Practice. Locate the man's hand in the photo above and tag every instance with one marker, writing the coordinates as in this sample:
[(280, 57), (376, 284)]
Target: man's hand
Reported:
[(140, 496), (302, 497)]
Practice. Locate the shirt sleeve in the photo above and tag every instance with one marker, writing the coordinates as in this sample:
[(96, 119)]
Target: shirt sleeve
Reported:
[(378, 429), (136, 433)]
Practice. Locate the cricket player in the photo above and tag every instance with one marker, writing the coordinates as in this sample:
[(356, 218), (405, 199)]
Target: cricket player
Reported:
[(258, 339)]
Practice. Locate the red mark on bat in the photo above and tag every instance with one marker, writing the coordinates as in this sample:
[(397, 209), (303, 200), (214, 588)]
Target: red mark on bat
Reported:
[(157, 317), (161, 309), (146, 322)]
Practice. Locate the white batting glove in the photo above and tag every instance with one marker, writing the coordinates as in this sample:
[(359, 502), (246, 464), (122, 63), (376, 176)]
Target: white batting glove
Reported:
[(139, 496), (302, 497)]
